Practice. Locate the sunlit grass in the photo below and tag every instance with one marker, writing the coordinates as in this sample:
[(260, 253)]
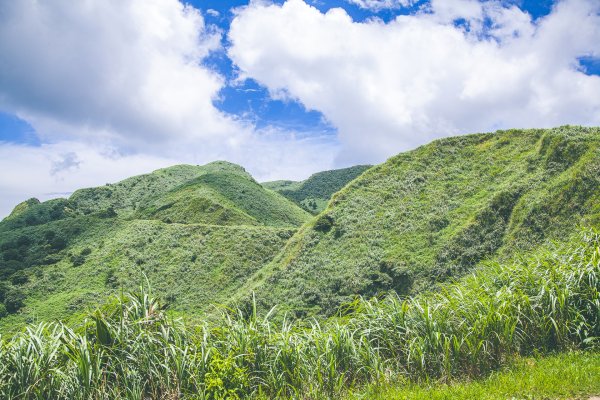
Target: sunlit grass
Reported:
[(562, 376)]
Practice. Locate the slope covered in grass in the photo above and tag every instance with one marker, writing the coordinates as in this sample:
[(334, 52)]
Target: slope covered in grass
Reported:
[(195, 232), (314, 193), (436, 212), (539, 304), (561, 376)]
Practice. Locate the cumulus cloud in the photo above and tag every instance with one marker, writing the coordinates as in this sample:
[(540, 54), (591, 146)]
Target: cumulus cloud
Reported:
[(124, 70), (458, 66), (377, 5)]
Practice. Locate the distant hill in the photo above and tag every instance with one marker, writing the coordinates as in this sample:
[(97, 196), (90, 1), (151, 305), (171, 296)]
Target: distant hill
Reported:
[(314, 193), (435, 213), (194, 232)]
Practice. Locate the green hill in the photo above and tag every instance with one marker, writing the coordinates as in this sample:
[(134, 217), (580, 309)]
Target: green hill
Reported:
[(436, 212), (194, 232), (211, 234), (314, 193)]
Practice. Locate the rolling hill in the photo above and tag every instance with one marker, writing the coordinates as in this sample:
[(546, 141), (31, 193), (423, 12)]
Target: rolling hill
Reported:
[(435, 213), (457, 260), (203, 235), (195, 233)]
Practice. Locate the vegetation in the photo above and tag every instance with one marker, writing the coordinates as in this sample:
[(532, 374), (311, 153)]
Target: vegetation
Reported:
[(314, 193), (544, 303), (448, 271), (435, 213)]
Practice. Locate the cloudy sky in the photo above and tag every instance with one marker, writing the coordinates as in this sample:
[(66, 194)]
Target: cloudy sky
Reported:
[(94, 91)]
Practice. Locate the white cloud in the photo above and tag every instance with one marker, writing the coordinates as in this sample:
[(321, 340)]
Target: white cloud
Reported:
[(389, 87), (377, 5), (124, 70)]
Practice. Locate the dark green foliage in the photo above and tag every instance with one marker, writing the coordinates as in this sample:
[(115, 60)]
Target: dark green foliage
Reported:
[(314, 193), (19, 278), (4, 287), (324, 223), (13, 299)]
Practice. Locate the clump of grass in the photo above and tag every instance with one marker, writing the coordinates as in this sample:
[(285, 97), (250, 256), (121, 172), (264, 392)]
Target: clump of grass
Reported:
[(131, 349)]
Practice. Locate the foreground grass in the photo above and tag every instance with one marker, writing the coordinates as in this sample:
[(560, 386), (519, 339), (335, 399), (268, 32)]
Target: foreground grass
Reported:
[(573, 375), (544, 304)]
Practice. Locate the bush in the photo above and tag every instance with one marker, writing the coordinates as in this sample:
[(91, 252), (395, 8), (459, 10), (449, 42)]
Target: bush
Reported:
[(19, 278), (324, 224), (14, 300), (3, 311), (77, 260), (4, 287)]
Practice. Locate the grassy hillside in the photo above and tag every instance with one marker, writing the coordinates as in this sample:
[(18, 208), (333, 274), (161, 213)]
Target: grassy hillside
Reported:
[(436, 212), (314, 193), (203, 234), (196, 233), (478, 238)]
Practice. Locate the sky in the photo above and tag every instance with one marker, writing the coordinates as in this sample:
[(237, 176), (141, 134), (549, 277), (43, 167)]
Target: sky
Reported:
[(95, 91)]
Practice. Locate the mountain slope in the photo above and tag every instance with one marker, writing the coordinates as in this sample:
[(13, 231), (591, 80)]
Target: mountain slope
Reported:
[(436, 212), (195, 233), (314, 193)]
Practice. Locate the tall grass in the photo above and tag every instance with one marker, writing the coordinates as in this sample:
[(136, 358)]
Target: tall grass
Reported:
[(132, 350)]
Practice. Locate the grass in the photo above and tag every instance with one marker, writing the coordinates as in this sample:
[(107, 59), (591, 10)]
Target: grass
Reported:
[(192, 265), (572, 375), (542, 304)]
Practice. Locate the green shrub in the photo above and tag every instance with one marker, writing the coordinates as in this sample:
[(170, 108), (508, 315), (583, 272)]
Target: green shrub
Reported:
[(14, 300)]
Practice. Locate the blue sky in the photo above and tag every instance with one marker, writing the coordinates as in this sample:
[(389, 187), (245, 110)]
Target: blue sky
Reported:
[(94, 92)]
